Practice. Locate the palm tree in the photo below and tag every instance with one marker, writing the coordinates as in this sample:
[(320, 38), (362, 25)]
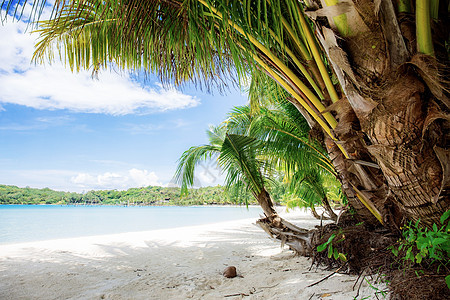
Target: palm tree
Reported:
[(238, 156), (283, 133), (367, 74), (278, 142)]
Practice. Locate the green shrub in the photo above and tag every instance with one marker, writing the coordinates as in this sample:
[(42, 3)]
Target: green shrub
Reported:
[(332, 251), (421, 243)]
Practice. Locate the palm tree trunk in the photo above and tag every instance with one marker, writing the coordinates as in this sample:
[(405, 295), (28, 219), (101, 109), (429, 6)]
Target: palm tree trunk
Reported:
[(328, 209), (391, 117), (266, 203), (298, 239), (314, 213), (413, 161)]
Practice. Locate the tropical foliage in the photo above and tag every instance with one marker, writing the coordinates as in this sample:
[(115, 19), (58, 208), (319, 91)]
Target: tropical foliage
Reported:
[(420, 243), (287, 146), (151, 195), (253, 148), (237, 155)]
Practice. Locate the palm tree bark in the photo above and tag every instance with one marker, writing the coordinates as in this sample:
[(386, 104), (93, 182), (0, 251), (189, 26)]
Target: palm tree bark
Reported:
[(266, 203), (411, 167), (391, 116)]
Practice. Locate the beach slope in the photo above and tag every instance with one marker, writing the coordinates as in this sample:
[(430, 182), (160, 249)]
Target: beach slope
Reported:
[(183, 263)]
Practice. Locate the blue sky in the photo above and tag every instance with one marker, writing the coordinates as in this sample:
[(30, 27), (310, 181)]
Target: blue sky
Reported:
[(69, 132)]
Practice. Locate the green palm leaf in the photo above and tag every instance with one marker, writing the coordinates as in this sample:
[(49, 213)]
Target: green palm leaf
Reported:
[(238, 157)]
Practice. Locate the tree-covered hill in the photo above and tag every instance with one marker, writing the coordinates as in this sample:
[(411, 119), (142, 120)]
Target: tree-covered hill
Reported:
[(151, 195)]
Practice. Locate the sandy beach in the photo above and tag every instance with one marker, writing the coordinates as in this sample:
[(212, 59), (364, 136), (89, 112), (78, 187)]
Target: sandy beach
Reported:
[(183, 263)]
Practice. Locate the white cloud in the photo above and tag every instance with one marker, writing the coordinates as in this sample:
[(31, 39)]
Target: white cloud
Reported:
[(73, 181), (143, 177), (82, 178), (116, 180), (111, 179), (55, 87)]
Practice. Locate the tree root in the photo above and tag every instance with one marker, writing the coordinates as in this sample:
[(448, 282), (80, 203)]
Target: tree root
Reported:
[(366, 251), (298, 239)]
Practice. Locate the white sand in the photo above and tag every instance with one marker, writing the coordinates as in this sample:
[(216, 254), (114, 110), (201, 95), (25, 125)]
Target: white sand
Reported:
[(179, 263)]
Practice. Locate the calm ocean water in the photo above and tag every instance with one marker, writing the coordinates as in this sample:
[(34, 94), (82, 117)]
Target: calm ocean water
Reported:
[(26, 223)]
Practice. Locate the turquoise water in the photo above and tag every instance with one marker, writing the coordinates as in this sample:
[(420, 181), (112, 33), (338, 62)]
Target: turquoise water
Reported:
[(26, 223)]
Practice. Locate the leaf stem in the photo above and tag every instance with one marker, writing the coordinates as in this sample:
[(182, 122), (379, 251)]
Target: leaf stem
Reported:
[(423, 27)]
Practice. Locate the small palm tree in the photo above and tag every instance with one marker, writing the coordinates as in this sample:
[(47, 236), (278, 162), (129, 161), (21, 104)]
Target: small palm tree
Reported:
[(240, 157), (287, 146), (237, 155)]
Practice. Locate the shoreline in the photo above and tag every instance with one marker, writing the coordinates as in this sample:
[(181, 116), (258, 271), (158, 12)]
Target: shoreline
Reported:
[(60, 222), (124, 235), (177, 263)]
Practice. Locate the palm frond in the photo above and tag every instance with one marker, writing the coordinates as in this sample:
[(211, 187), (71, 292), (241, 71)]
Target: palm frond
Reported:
[(165, 37), (202, 41), (238, 157), (192, 157)]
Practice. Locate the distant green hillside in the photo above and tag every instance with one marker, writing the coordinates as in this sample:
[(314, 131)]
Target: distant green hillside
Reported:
[(151, 195)]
